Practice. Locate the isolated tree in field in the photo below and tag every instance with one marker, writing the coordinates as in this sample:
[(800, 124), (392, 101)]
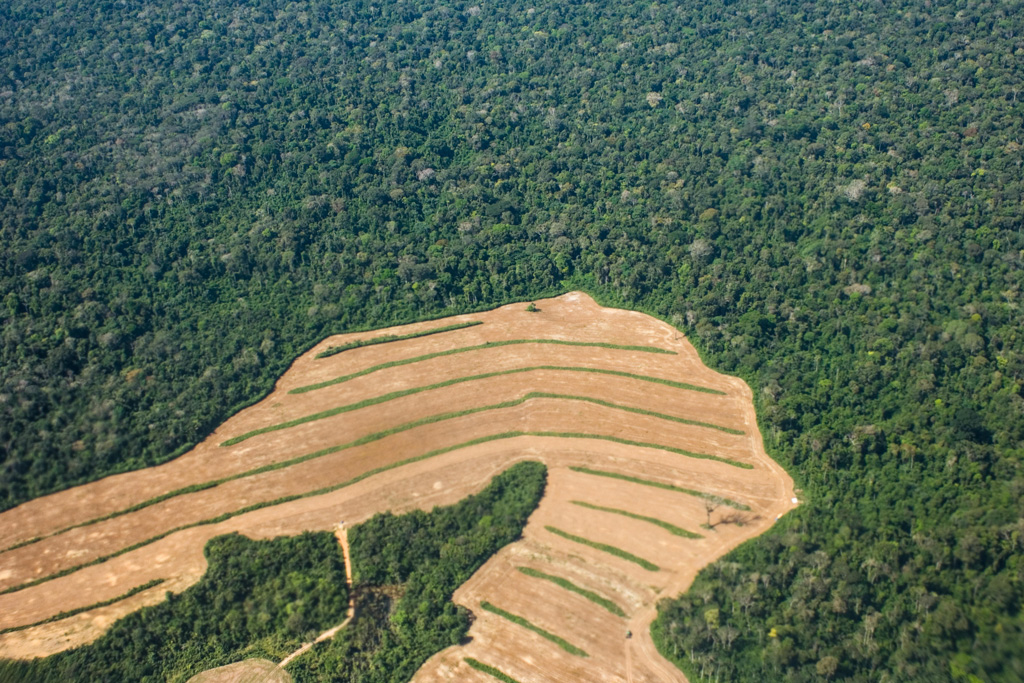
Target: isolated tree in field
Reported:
[(711, 504)]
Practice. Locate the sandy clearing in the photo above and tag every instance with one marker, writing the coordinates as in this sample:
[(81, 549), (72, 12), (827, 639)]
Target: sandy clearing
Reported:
[(443, 479), (82, 628)]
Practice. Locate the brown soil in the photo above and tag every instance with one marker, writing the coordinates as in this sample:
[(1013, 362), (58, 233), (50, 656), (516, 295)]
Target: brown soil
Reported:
[(249, 671), (443, 479)]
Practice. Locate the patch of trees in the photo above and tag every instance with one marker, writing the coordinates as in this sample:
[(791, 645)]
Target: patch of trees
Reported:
[(256, 599), (406, 568)]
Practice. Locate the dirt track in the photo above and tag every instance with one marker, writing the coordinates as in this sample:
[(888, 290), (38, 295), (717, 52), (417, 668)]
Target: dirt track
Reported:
[(442, 479)]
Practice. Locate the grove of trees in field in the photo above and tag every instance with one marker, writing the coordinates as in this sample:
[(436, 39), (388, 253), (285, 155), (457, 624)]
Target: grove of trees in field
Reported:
[(406, 568)]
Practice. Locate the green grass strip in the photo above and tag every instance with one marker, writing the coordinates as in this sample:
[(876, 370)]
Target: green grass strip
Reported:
[(79, 610), (659, 485), (649, 566), (334, 350), (570, 586), (643, 444), (334, 487), (194, 488), (516, 619), (376, 400), (489, 670), (488, 345), (671, 528)]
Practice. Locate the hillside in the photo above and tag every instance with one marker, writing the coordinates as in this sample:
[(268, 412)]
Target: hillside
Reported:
[(826, 197)]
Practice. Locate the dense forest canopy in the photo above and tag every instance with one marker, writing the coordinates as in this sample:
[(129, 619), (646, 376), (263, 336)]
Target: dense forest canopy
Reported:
[(825, 196)]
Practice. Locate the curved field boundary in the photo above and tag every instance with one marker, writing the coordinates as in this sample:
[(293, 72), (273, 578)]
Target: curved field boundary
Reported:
[(387, 338), (618, 552), (487, 345), (490, 670), (659, 485), (516, 619), (570, 586), (671, 528), (361, 477), (377, 400), (79, 610)]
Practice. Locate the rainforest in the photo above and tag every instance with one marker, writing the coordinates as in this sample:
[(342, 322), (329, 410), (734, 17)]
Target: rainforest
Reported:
[(825, 198)]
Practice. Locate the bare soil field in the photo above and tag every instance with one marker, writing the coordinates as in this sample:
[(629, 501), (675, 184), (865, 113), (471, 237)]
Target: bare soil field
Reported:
[(427, 421), (249, 671)]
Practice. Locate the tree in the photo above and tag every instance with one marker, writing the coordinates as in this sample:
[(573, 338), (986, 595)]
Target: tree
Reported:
[(711, 503), (827, 666)]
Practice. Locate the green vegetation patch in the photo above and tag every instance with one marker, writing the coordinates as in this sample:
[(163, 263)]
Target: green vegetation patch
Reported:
[(256, 599), (79, 610), (334, 350), (406, 568), (570, 586), (477, 347), (660, 485), (618, 552), (516, 619), (490, 670), (671, 528)]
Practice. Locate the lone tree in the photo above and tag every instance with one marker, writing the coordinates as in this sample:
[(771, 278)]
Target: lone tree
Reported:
[(532, 308), (711, 504)]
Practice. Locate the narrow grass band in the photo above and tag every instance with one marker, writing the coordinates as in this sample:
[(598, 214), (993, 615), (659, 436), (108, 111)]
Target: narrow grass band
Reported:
[(618, 552), (488, 345), (570, 586), (659, 485), (489, 670), (391, 396), (671, 528), (334, 350), (516, 619)]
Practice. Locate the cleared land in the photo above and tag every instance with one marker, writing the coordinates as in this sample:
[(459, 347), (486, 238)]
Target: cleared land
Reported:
[(425, 420)]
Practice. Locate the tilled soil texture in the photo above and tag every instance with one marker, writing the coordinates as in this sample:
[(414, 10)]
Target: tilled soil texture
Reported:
[(637, 433)]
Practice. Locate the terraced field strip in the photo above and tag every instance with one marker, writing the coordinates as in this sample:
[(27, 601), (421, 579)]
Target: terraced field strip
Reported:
[(490, 670), (488, 345), (570, 586), (79, 610), (516, 619), (362, 441), (604, 547), (387, 338), (391, 396), (671, 528), (660, 485)]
